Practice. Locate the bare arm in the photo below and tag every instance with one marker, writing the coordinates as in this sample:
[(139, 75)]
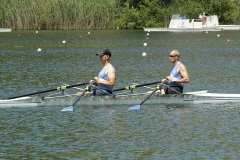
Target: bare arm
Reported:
[(183, 72)]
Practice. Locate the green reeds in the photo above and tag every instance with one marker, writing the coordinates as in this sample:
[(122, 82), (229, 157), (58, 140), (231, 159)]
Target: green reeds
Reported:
[(57, 14)]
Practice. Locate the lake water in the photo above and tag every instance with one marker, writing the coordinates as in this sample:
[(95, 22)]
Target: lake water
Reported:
[(98, 132)]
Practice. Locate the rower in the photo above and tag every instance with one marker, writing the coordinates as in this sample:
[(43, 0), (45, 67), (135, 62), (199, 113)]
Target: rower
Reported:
[(105, 80), (173, 84)]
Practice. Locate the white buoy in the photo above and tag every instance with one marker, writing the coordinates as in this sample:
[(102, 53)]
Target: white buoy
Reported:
[(88, 32), (36, 31), (206, 31), (144, 54), (63, 41), (218, 35), (147, 34), (39, 49), (145, 44)]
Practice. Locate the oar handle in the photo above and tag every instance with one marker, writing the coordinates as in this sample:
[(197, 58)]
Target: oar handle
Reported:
[(50, 90)]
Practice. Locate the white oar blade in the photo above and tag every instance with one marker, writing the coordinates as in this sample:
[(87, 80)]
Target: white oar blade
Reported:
[(134, 107), (70, 108)]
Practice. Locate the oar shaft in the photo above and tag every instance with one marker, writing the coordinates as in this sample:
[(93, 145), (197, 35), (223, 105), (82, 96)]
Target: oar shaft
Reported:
[(139, 85), (149, 96), (50, 90), (138, 106), (83, 93)]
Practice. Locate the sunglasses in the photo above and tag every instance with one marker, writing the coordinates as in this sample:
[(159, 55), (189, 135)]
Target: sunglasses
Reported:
[(172, 56)]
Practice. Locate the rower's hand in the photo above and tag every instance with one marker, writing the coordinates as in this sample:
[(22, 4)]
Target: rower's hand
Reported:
[(92, 81), (170, 78), (96, 79), (165, 81)]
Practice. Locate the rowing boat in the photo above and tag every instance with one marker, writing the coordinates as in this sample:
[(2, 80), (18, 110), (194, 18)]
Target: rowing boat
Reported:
[(198, 97)]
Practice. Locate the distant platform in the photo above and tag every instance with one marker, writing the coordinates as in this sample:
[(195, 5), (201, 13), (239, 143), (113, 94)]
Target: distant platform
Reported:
[(5, 29), (229, 27), (180, 24), (181, 29)]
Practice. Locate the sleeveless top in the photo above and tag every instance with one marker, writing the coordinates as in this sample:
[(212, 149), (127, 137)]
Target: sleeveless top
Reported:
[(103, 77), (175, 75)]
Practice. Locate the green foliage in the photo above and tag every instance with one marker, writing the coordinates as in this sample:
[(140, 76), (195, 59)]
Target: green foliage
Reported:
[(157, 13), (128, 18), (109, 14)]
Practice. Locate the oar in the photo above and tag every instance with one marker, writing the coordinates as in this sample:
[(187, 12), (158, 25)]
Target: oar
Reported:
[(138, 106), (70, 108), (136, 86), (50, 90)]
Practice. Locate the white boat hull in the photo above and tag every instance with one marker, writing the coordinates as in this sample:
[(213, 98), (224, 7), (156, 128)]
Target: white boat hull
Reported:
[(5, 29), (133, 99), (229, 27), (181, 29)]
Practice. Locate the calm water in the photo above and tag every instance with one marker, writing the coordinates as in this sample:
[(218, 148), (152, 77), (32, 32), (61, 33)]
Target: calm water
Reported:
[(154, 131)]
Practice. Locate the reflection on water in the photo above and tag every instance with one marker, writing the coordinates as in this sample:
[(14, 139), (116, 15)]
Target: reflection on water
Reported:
[(113, 132)]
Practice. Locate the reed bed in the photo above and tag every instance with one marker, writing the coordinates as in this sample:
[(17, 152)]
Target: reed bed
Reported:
[(57, 14)]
